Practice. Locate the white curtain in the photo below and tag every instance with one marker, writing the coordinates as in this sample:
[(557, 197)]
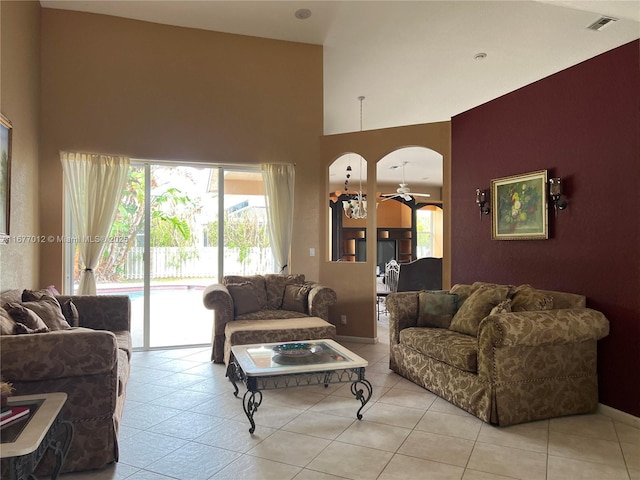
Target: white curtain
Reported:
[(279, 182), (95, 184)]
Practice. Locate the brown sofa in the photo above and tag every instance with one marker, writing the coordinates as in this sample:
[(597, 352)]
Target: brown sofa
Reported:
[(507, 355), (89, 362), (267, 308)]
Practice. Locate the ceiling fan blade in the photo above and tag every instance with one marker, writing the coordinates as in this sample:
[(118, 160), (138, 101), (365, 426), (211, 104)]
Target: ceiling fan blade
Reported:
[(421, 194)]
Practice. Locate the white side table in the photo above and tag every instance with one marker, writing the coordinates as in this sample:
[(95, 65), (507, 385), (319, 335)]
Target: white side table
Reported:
[(24, 444)]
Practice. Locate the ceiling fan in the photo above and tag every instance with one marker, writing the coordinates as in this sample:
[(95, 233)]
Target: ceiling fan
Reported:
[(403, 191)]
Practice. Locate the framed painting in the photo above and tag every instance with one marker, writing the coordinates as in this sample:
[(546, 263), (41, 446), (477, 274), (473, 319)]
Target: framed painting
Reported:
[(519, 207), (5, 173)]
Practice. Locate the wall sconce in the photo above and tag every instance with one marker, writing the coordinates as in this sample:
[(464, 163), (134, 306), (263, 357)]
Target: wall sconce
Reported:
[(481, 201), (555, 192)]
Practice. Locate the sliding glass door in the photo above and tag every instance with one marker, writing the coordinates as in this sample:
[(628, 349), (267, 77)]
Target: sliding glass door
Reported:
[(169, 233)]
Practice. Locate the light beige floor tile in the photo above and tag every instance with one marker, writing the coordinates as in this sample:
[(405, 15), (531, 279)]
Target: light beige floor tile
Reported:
[(402, 467), (634, 474), (466, 427), (593, 426), (234, 435), (147, 475), (351, 461), (405, 384), (290, 448), (374, 435), (382, 378), (187, 425), (317, 424), (394, 415), (193, 461), (631, 452), (439, 448), (254, 468), (568, 469), (585, 448), (223, 406), (307, 474), (527, 436), (297, 397), (510, 462), (148, 416), (146, 447), (421, 399), (340, 406), (273, 416), (442, 406), (476, 475), (627, 433)]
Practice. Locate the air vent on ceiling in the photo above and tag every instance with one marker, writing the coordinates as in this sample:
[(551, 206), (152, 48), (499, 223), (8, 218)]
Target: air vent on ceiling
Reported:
[(601, 23)]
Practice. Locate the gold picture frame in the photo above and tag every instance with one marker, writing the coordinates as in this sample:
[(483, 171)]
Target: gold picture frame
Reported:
[(6, 131), (519, 207)]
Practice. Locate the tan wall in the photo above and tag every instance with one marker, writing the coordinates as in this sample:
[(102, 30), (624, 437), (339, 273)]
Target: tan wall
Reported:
[(355, 282), (19, 102), (151, 91)]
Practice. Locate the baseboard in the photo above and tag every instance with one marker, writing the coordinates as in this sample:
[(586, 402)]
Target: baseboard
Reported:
[(347, 338), (619, 416)]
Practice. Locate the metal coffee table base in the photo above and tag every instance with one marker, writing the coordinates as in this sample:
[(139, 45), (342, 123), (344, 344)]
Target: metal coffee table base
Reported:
[(360, 387)]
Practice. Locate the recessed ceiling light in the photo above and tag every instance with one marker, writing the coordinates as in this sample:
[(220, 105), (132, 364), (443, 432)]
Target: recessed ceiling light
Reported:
[(480, 56), (303, 13)]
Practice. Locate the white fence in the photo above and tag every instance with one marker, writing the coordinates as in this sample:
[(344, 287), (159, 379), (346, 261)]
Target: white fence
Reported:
[(175, 262)]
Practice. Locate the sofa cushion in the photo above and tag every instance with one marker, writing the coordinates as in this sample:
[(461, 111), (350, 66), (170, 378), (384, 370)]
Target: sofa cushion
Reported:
[(27, 321), (244, 298), (7, 325), (258, 282), (436, 309), (47, 307), (502, 307), (476, 307), (70, 313), (463, 291), (269, 315), (275, 284), (453, 348), (296, 298), (528, 299)]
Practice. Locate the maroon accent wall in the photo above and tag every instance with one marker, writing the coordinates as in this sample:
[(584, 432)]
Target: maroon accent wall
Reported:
[(581, 124)]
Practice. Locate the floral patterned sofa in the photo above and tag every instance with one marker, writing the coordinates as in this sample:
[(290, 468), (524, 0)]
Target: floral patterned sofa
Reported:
[(267, 308), (86, 354), (507, 355)]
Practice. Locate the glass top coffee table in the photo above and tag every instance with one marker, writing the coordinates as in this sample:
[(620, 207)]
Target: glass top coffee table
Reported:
[(294, 364)]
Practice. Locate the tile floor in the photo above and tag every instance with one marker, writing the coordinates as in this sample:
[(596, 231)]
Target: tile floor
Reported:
[(181, 421)]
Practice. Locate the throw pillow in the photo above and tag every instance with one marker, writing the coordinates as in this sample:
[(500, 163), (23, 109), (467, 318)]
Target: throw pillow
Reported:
[(47, 307), (258, 283), (70, 313), (463, 291), (295, 298), (27, 321), (7, 325), (476, 307), (244, 298), (275, 284), (502, 307), (528, 299), (436, 309)]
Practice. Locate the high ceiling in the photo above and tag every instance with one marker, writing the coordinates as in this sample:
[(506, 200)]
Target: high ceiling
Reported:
[(414, 61)]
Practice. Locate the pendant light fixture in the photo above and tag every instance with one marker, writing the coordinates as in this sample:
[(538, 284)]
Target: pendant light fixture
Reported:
[(356, 206)]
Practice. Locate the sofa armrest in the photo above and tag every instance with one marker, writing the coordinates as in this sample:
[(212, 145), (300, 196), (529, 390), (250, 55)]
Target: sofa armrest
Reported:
[(320, 299), (216, 297), (58, 354), (570, 325), (403, 313), (102, 312)]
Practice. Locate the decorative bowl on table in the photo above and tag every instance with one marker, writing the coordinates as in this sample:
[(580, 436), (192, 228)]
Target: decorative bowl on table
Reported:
[(297, 353)]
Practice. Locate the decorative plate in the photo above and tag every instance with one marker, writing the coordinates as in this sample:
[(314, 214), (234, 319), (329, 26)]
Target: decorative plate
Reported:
[(296, 349)]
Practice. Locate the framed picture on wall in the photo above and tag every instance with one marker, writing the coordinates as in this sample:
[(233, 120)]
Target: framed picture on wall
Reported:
[(519, 207), (5, 173)]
